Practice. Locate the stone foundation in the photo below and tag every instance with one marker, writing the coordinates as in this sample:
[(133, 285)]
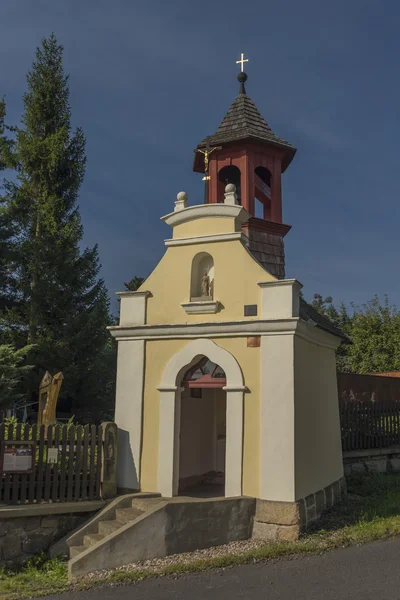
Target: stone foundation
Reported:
[(284, 521), (28, 531), (376, 460)]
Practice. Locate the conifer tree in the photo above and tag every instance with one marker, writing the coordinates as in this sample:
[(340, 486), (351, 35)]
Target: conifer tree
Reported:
[(61, 304), (6, 228)]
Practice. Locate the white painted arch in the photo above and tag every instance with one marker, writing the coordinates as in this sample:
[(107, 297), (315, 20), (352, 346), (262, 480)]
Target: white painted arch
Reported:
[(170, 405)]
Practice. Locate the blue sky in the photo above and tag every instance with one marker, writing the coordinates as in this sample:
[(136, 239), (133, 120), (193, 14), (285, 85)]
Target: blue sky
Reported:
[(149, 80)]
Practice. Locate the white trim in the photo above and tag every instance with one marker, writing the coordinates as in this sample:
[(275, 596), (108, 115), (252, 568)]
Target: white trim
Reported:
[(206, 239), (201, 211), (281, 283), (170, 399), (227, 329), (201, 308), (192, 352), (128, 293), (207, 329)]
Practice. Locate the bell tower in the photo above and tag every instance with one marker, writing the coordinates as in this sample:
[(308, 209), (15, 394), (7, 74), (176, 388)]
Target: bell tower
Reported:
[(246, 152)]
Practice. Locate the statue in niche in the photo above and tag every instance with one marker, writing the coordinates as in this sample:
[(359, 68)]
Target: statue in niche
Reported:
[(205, 285)]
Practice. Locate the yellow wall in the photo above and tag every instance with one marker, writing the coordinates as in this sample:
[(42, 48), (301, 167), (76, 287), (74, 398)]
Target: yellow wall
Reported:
[(318, 453), (205, 226), (158, 353), (236, 274)]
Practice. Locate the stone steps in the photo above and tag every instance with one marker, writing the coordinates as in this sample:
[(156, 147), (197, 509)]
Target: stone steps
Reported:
[(107, 527), (133, 528), (128, 514), (92, 538), (75, 550)]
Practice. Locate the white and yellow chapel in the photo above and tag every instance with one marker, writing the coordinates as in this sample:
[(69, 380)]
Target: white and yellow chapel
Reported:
[(226, 378)]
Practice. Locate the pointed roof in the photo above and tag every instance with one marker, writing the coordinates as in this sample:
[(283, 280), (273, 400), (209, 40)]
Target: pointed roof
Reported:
[(243, 121)]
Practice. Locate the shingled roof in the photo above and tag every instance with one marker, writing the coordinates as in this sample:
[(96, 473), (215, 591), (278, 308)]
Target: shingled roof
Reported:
[(308, 313), (243, 121)]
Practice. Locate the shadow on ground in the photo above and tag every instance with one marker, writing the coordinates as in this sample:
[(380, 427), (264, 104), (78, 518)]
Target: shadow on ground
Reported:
[(369, 498)]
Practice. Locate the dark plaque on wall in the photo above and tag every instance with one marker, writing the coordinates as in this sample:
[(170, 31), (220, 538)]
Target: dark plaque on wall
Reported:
[(250, 310)]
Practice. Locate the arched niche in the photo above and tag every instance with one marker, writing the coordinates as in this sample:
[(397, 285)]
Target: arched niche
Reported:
[(202, 278), (229, 174)]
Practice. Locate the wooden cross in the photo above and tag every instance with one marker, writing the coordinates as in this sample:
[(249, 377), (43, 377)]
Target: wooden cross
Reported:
[(242, 61)]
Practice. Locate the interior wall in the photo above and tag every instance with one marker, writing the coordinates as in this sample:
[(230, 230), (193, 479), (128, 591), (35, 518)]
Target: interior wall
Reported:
[(198, 434)]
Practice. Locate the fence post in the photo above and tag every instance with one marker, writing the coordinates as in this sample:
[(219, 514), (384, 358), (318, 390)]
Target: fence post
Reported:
[(109, 462)]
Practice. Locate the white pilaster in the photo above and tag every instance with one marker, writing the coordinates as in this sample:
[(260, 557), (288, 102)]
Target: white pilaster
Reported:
[(234, 440), (280, 299), (132, 308), (128, 411), (277, 460), (169, 434)]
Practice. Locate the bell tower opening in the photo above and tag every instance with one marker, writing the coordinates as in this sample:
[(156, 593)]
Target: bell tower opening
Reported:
[(229, 174), (262, 193)]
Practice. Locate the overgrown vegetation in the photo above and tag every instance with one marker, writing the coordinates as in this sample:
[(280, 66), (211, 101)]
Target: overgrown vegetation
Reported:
[(12, 372), (371, 512), (374, 331)]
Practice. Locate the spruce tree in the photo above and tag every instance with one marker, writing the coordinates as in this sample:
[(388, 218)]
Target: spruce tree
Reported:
[(6, 226), (62, 305)]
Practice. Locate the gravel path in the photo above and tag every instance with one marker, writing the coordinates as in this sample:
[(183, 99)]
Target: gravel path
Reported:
[(155, 564)]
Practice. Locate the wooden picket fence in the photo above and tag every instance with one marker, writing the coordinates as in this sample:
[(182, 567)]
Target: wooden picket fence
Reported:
[(366, 424), (75, 474)]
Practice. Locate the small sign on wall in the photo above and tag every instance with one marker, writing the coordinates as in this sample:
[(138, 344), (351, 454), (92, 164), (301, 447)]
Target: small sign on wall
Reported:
[(250, 310), (18, 457), (52, 456)]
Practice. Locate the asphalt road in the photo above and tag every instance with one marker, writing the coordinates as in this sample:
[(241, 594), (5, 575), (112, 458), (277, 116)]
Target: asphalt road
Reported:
[(369, 573)]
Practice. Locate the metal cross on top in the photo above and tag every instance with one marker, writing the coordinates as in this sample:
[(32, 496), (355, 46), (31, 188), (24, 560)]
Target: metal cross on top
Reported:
[(242, 61)]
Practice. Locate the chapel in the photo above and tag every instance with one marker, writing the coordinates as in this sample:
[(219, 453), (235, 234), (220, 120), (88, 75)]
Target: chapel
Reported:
[(226, 378)]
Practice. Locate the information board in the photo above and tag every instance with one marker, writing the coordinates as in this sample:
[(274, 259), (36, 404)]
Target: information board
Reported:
[(18, 457)]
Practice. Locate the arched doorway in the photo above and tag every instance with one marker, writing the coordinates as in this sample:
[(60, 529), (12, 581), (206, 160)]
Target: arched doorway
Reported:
[(202, 445), (171, 400)]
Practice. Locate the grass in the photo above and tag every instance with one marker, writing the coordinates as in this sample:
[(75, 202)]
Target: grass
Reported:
[(372, 512)]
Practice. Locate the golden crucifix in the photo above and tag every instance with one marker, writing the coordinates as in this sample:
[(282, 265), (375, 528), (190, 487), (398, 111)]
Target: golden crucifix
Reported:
[(208, 150), (242, 61)]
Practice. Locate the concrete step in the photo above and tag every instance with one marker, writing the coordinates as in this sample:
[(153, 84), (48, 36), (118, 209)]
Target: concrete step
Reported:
[(92, 538), (107, 527), (145, 504), (75, 550), (128, 514)]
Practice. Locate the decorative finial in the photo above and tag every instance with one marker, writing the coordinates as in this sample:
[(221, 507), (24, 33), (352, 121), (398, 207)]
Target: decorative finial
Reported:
[(230, 194), (242, 77), (181, 201)]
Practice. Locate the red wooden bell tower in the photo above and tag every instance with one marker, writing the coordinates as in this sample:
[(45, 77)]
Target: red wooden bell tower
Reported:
[(245, 151)]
